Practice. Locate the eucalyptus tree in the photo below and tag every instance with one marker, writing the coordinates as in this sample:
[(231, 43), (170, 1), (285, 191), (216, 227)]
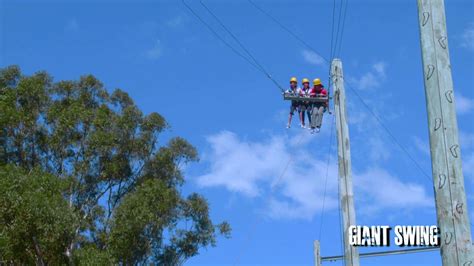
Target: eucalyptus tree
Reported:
[(86, 178)]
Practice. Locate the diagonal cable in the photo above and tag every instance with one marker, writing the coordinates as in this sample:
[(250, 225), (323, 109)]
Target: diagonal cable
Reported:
[(343, 26), (262, 69), (214, 32), (392, 136), (287, 30), (326, 178)]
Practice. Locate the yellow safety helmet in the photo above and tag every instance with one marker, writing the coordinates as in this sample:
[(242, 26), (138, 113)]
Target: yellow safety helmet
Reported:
[(316, 82), (305, 80), (294, 79)]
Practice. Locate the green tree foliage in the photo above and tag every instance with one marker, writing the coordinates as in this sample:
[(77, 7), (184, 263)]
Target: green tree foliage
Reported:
[(84, 179), (35, 217)]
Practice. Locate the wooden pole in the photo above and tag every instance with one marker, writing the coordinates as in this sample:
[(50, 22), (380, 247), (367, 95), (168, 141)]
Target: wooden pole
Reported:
[(344, 158), (317, 253), (448, 180)]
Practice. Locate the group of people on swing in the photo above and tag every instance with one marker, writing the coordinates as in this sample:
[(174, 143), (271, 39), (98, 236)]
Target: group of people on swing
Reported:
[(314, 110)]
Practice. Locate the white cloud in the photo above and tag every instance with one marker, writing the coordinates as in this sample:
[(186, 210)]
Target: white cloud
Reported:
[(239, 165), (467, 38), (367, 81), (464, 104), (254, 169), (312, 58), (300, 192), (372, 78), (356, 116), (379, 68), (279, 166), (155, 52), (378, 149), (377, 189), (72, 25)]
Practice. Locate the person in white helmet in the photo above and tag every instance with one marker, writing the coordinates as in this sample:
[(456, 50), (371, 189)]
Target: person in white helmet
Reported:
[(295, 105), (305, 107)]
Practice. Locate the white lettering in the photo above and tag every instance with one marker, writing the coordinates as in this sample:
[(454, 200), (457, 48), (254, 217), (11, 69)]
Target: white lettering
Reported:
[(416, 235)]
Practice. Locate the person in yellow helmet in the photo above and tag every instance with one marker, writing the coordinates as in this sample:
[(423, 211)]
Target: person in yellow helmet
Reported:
[(295, 105), (317, 108), (305, 107)]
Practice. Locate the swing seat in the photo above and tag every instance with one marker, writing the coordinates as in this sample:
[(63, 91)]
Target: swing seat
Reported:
[(294, 97)]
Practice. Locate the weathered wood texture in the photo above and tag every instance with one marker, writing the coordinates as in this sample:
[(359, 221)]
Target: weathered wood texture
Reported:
[(317, 253), (344, 158), (448, 180)]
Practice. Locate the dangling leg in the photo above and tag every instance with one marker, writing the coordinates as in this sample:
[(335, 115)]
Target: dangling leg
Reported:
[(290, 116), (302, 111), (308, 112), (314, 113), (319, 118)]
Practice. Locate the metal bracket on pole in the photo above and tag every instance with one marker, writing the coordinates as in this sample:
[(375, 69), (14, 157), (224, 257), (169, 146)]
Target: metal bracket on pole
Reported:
[(384, 253)]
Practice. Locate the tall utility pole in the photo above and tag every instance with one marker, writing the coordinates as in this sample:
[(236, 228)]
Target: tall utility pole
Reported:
[(448, 180), (346, 194)]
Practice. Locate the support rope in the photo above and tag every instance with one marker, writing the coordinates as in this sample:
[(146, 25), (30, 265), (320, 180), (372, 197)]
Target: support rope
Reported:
[(253, 63), (246, 50)]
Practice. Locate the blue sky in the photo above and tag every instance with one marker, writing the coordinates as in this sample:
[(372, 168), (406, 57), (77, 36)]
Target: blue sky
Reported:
[(170, 63)]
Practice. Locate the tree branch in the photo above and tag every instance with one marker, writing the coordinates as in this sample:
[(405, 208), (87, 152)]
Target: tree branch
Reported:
[(38, 252)]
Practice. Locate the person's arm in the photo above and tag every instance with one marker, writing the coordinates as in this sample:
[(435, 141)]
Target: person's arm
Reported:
[(323, 93)]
